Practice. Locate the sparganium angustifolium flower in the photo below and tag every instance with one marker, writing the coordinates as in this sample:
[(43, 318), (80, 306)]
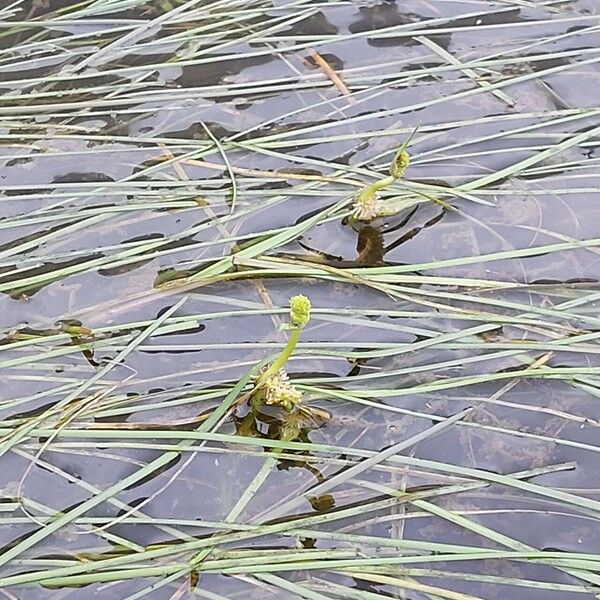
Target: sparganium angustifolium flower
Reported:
[(273, 386), (299, 311), (278, 391), (367, 205), (399, 164)]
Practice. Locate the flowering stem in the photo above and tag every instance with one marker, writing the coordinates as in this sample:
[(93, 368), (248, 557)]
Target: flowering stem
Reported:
[(381, 183), (367, 205), (280, 361)]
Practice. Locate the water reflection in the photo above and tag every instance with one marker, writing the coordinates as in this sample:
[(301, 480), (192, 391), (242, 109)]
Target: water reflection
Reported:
[(106, 143), (385, 16)]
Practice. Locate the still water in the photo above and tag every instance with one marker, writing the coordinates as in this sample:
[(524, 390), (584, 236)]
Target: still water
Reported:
[(138, 148)]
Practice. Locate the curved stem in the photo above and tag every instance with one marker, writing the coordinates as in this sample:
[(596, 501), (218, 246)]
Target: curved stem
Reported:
[(382, 183)]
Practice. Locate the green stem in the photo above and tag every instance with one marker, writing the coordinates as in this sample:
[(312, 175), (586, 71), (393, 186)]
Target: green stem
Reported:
[(280, 361), (382, 183)]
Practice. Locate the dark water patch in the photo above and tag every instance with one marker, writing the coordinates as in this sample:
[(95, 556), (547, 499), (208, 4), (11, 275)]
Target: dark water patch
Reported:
[(386, 15), (316, 24), (82, 177), (30, 238), (34, 412), (26, 290), (216, 72), (154, 474), (197, 132), (334, 61)]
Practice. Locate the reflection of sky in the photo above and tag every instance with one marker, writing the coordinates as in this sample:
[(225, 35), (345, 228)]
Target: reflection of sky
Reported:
[(287, 115)]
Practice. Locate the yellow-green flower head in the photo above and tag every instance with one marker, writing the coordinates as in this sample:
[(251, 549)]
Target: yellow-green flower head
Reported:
[(299, 310), (400, 164), (280, 392)]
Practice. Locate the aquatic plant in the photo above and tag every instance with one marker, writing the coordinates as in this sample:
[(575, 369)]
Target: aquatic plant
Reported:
[(367, 204), (273, 386), (400, 163), (276, 390), (196, 146)]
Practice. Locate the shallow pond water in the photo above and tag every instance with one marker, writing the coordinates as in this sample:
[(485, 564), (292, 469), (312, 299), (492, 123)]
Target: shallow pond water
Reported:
[(142, 142)]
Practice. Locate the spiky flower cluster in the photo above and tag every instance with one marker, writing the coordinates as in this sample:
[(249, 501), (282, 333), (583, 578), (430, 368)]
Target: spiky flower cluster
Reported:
[(278, 391), (367, 205), (299, 311)]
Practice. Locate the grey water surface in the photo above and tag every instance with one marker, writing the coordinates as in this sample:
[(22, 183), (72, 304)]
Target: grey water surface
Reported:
[(88, 132)]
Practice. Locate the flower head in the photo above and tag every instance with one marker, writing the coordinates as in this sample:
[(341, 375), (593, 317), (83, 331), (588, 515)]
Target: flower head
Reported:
[(278, 391), (299, 310), (400, 163), (367, 205)]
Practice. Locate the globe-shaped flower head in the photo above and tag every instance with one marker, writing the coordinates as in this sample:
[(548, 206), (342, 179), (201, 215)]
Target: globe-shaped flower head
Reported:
[(299, 311)]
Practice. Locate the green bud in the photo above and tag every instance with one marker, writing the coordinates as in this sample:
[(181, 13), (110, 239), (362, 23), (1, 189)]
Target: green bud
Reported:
[(299, 310), (400, 163)]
